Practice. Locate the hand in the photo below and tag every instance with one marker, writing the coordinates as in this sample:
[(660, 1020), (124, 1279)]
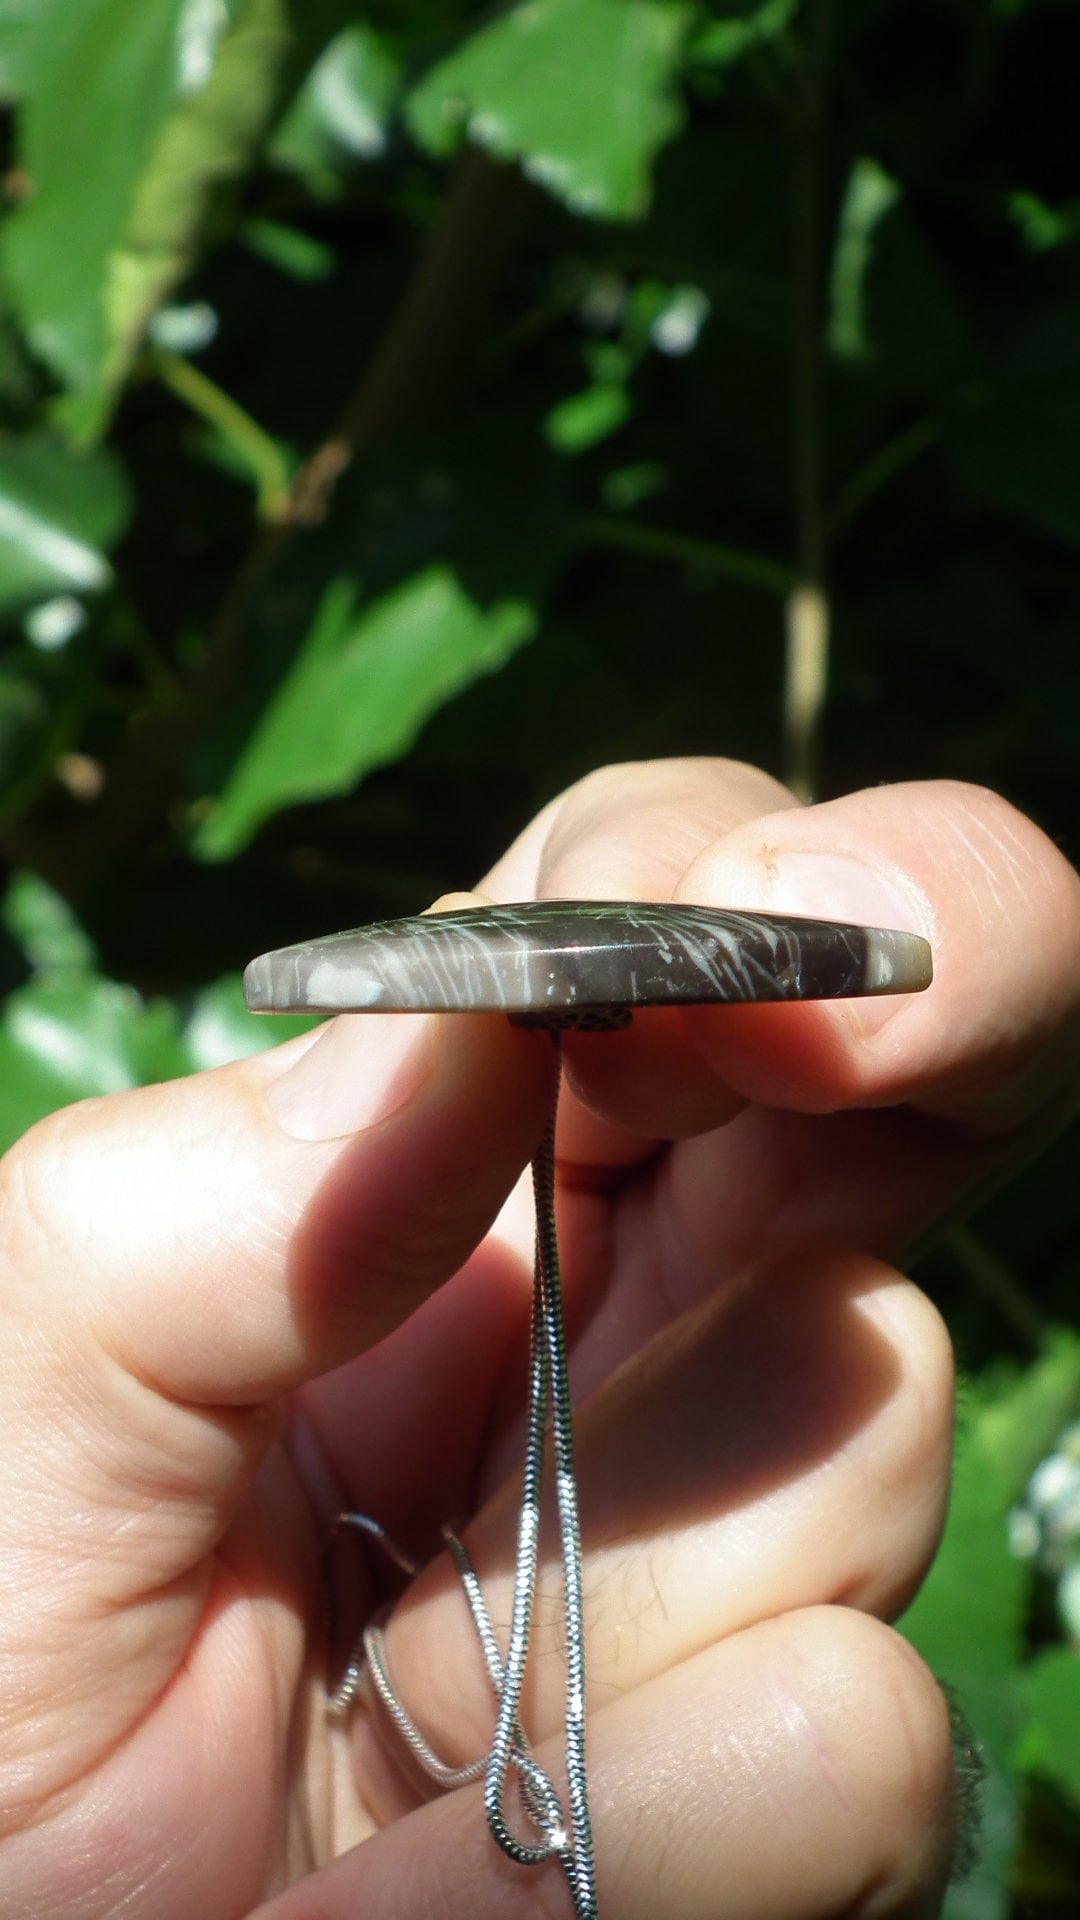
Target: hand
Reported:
[(233, 1304)]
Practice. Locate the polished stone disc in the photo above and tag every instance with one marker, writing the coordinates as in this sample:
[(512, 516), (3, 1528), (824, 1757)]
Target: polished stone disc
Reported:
[(584, 962)]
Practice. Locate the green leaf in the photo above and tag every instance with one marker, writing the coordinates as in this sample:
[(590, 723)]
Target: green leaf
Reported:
[(581, 91), (44, 926), (58, 511), (720, 43), (1022, 1415), (208, 140), (70, 1033), (295, 253), (64, 1039), (584, 419), (1042, 226), (871, 192), (343, 111), (1050, 1743), (359, 693), (968, 1621), (219, 1027), (124, 153), (100, 77), (16, 19)]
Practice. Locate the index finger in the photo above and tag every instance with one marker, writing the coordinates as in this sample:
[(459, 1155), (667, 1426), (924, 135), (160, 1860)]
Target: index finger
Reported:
[(994, 1045)]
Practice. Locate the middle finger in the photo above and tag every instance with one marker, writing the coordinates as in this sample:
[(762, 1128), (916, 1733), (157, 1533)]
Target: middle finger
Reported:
[(785, 1445)]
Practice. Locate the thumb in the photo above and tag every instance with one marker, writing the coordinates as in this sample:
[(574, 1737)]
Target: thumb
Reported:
[(175, 1258), (225, 1237)]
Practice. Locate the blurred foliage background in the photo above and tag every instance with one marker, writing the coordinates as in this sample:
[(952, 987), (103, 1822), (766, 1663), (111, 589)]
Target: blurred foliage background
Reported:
[(407, 407)]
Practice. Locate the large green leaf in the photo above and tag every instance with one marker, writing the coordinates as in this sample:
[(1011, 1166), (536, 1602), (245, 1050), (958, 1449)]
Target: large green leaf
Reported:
[(70, 1033), (581, 91), (968, 1621), (15, 21), (64, 1038), (1050, 1743), (207, 140), (359, 692), (135, 111), (100, 76), (59, 513)]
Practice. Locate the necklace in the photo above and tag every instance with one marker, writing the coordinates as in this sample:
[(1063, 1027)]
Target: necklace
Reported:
[(557, 964)]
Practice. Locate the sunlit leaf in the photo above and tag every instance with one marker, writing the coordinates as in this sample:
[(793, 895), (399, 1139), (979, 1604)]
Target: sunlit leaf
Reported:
[(364, 683), (871, 192), (16, 17), (676, 328), (100, 78), (219, 1027), (343, 111), (206, 140), (1050, 1743), (45, 927), (968, 1621), (584, 419), (59, 513), (64, 1039), (123, 154), (581, 91), (70, 1032)]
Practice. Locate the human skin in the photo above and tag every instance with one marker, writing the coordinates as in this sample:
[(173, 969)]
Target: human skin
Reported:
[(232, 1304)]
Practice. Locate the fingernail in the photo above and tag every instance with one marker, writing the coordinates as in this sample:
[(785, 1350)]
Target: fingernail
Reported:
[(834, 886), (360, 1070), (830, 886)]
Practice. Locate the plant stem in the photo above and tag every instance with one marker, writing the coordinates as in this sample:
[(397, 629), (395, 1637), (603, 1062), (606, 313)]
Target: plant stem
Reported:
[(260, 454), (807, 650), (432, 341), (756, 569)]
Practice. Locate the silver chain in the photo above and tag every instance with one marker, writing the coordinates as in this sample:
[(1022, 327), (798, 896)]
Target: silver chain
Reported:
[(549, 1409)]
